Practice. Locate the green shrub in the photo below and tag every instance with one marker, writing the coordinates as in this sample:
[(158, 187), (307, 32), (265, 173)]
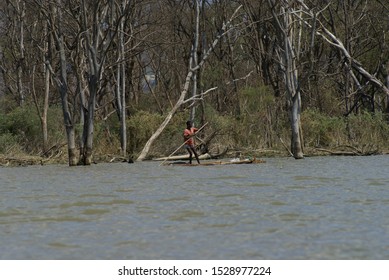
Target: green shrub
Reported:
[(365, 129), (140, 127), (23, 124), (23, 127), (320, 130)]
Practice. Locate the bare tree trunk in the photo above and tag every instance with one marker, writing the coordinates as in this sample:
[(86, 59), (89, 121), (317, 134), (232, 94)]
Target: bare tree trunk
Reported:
[(46, 75), (122, 89), (63, 88), (21, 9), (42, 115), (194, 61), (95, 49), (53, 13), (62, 82), (79, 60), (45, 108), (289, 66), (91, 54), (293, 89), (42, 112), (386, 76), (89, 120), (83, 113)]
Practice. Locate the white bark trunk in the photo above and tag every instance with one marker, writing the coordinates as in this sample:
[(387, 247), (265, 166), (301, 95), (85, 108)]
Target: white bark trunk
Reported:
[(195, 58), (289, 65), (181, 100), (21, 13), (124, 116), (63, 87), (169, 116)]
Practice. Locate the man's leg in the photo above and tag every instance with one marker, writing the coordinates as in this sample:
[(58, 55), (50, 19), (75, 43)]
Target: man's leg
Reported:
[(197, 157), (190, 155)]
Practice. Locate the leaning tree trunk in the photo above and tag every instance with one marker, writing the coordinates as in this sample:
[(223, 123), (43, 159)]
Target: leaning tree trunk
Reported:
[(333, 40), (169, 116), (182, 100)]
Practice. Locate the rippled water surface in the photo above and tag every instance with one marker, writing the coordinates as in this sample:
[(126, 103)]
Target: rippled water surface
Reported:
[(316, 208)]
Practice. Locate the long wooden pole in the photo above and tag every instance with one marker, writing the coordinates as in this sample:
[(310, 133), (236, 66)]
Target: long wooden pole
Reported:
[(183, 143)]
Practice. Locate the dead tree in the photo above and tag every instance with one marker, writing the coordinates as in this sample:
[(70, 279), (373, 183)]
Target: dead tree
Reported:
[(53, 14), (226, 26), (333, 40), (288, 63)]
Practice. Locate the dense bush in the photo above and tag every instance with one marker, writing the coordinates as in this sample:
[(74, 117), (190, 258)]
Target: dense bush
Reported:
[(368, 129), (320, 130), (362, 130), (21, 130), (259, 127), (22, 126)]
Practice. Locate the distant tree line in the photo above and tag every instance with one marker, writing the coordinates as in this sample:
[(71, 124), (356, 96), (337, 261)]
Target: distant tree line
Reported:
[(96, 58)]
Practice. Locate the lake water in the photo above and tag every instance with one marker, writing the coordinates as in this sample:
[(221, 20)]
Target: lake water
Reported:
[(316, 208)]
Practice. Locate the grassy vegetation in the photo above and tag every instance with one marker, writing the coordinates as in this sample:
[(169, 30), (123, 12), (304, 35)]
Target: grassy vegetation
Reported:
[(262, 129)]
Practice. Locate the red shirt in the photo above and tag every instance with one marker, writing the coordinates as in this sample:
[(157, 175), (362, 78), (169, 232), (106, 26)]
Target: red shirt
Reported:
[(187, 134)]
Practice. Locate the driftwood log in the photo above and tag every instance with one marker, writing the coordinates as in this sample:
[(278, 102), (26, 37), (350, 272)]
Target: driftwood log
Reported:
[(347, 150)]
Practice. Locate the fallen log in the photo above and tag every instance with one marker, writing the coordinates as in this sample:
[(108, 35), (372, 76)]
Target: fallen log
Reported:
[(182, 157), (349, 153)]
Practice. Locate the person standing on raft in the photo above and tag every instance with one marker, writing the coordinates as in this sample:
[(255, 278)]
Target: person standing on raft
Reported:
[(189, 141)]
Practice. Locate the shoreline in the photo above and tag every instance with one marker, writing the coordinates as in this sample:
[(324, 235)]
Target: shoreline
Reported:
[(23, 160)]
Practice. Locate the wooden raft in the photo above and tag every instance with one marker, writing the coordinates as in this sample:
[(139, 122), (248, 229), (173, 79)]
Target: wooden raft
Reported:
[(221, 162)]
